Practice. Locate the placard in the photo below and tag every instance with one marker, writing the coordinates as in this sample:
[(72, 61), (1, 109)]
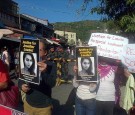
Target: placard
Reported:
[(87, 64), (128, 57), (9, 111), (108, 45), (29, 56)]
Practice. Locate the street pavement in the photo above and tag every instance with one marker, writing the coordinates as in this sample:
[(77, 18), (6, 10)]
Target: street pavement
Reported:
[(60, 96)]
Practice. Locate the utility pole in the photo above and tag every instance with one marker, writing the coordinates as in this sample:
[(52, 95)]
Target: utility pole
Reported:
[(19, 18)]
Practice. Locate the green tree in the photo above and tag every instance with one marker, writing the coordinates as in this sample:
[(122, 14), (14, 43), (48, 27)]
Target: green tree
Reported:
[(122, 12)]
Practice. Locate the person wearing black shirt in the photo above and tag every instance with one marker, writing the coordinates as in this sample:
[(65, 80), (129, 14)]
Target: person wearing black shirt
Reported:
[(38, 97)]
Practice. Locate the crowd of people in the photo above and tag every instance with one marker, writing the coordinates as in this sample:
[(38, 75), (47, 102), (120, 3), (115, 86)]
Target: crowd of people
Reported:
[(91, 98), (55, 54), (101, 98)]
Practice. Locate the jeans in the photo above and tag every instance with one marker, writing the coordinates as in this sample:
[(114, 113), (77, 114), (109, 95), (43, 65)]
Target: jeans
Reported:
[(85, 107)]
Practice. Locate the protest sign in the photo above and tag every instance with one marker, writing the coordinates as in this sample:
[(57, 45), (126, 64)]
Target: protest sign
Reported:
[(128, 57), (29, 56), (108, 45), (87, 63), (9, 111)]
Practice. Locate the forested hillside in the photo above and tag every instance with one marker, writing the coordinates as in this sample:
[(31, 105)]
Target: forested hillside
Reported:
[(83, 29)]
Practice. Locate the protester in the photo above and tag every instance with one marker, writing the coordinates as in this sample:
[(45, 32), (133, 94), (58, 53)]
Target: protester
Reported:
[(63, 56), (9, 93), (29, 64), (16, 61), (85, 102), (106, 92), (4, 76), (51, 54), (38, 97), (128, 98), (68, 50), (6, 57)]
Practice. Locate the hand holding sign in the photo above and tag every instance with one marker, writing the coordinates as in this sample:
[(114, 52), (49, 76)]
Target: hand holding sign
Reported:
[(42, 66)]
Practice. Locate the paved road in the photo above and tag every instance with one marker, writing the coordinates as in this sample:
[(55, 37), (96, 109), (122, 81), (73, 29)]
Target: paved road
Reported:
[(60, 95)]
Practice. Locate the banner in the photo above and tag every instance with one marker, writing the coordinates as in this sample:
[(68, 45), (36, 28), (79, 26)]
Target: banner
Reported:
[(128, 57), (29, 56), (9, 111), (87, 63), (108, 45)]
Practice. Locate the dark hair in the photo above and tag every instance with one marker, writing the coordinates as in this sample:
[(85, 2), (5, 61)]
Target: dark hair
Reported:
[(31, 69), (51, 46), (89, 71), (45, 43)]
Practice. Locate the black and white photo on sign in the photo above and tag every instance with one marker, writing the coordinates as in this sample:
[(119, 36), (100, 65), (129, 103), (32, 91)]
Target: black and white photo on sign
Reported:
[(86, 66), (28, 63)]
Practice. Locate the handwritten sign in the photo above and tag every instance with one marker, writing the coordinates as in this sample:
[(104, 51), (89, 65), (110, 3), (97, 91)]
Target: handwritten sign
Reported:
[(128, 57), (108, 45)]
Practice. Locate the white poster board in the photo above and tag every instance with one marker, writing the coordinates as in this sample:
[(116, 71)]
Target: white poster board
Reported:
[(128, 57), (108, 45)]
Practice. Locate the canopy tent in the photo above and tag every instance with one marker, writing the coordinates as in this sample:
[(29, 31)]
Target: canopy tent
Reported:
[(11, 39), (52, 42), (5, 32)]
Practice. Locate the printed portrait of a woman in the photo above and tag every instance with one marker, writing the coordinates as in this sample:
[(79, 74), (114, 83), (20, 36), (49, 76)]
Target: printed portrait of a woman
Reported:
[(85, 66), (28, 64)]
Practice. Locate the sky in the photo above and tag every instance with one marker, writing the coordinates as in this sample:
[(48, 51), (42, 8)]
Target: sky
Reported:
[(56, 10)]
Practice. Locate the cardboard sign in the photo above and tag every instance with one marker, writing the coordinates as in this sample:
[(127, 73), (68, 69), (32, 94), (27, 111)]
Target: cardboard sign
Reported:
[(87, 63), (29, 56), (128, 57), (9, 111), (108, 45)]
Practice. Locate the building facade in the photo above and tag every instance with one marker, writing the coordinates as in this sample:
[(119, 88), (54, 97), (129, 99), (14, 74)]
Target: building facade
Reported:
[(70, 36), (22, 23), (37, 26), (9, 13)]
